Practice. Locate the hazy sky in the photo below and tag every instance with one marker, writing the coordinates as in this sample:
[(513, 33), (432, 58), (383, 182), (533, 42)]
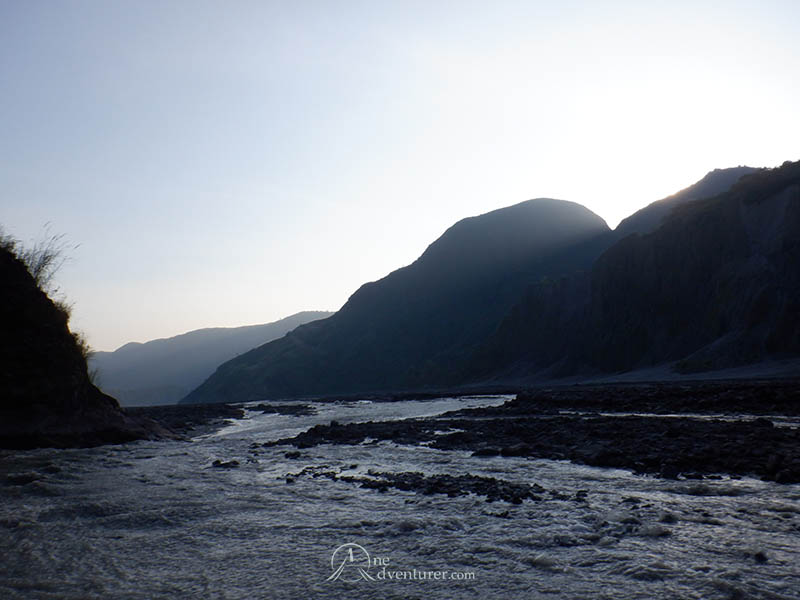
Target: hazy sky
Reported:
[(226, 163)]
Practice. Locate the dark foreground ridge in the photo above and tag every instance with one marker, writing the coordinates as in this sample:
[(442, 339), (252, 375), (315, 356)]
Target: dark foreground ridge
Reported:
[(565, 424), (46, 395)]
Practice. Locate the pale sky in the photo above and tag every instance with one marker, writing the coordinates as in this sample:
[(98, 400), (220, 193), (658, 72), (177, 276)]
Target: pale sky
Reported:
[(229, 163)]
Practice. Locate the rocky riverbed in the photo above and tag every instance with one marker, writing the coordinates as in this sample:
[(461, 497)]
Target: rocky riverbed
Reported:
[(729, 428)]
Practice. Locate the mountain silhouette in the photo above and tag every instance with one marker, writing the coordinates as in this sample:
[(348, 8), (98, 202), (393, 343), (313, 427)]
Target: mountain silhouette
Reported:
[(704, 279), (717, 285), (163, 371), (714, 286), (418, 325), (651, 216)]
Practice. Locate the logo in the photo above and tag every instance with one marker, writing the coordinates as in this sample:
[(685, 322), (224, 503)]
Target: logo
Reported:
[(350, 562)]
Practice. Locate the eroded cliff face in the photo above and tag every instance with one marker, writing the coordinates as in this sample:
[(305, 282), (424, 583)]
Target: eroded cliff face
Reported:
[(716, 285), (46, 396)]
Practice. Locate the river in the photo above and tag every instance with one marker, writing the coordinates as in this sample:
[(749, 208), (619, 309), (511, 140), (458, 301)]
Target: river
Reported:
[(159, 520)]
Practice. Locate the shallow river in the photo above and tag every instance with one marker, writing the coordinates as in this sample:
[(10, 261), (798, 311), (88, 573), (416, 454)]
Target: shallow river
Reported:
[(158, 520)]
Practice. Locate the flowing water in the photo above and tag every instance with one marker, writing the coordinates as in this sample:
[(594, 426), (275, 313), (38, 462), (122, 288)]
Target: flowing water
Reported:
[(159, 520)]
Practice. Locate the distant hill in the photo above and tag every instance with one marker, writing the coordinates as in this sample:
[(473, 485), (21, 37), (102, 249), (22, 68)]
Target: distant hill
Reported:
[(163, 371), (418, 325)]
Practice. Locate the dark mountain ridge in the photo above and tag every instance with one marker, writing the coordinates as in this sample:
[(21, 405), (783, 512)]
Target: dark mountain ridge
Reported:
[(544, 289), (417, 325), (715, 286), (649, 218)]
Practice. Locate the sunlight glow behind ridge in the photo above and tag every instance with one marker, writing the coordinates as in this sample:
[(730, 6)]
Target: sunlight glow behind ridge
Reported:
[(233, 165)]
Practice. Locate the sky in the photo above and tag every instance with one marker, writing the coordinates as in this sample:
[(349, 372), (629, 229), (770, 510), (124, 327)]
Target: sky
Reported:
[(231, 163)]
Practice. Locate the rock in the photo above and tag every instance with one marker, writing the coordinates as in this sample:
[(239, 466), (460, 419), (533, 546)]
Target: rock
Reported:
[(21, 478), (607, 540), (670, 471), (668, 518), (774, 463), (791, 475), (516, 450), (541, 560), (450, 485), (630, 520), (286, 409), (654, 530), (486, 451)]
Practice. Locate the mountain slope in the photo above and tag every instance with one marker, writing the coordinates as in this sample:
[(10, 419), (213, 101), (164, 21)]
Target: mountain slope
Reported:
[(543, 289), (418, 325), (163, 371), (715, 286)]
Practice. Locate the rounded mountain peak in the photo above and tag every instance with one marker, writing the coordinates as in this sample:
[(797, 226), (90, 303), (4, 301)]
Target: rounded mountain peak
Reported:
[(532, 227)]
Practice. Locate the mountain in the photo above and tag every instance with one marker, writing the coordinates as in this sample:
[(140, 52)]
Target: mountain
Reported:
[(163, 371), (418, 325), (46, 396), (651, 216), (544, 289), (716, 285)]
